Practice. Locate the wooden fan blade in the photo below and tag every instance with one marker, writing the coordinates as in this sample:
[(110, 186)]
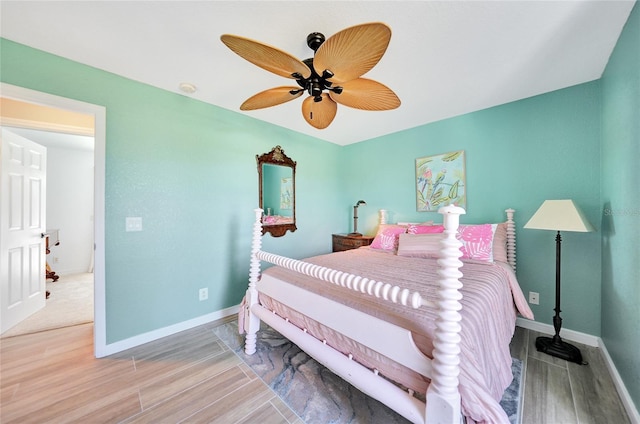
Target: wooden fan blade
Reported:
[(319, 114), (271, 97), (366, 94), (267, 57), (352, 52)]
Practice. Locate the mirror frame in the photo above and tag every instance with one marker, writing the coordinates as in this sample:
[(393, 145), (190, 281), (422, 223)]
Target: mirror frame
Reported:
[(277, 157)]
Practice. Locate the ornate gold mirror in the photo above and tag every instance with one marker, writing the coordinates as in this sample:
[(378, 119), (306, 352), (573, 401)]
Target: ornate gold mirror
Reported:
[(277, 182)]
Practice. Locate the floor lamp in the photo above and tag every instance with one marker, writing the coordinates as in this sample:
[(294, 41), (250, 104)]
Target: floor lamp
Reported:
[(559, 215), (355, 218)]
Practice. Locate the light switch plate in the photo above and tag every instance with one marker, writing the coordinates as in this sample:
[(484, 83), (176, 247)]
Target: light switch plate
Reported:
[(133, 223)]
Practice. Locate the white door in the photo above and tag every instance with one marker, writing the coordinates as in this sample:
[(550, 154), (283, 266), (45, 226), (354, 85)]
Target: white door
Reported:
[(22, 222)]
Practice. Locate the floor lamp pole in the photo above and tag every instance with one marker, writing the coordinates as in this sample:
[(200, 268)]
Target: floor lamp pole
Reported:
[(557, 320), (555, 346)]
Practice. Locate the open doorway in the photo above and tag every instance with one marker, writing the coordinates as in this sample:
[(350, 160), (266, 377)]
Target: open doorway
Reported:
[(98, 115), (69, 215)]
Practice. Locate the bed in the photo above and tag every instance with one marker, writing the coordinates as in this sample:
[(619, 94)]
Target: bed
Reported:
[(398, 319)]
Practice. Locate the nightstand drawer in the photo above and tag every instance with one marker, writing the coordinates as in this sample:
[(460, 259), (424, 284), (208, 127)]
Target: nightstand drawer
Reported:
[(343, 242)]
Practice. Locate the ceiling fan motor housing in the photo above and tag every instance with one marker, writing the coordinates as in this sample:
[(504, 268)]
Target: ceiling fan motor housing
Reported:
[(315, 40), (316, 84)]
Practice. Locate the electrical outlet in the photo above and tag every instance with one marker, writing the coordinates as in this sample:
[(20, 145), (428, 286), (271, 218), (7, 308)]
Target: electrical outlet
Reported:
[(203, 294), (534, 298)]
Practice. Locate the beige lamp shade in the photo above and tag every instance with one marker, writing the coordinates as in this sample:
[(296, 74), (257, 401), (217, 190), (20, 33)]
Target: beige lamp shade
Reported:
[(559, 215)]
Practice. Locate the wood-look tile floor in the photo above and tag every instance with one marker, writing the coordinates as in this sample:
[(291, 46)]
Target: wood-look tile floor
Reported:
[(559, 392), (192, 377)]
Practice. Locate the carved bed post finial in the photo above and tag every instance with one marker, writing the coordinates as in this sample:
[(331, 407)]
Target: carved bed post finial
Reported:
[(251, 321), (382, 219), (443, 397)]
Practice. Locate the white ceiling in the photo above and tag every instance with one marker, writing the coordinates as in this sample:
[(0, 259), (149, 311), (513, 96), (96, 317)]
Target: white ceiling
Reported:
[(56, 139), (446, 58)]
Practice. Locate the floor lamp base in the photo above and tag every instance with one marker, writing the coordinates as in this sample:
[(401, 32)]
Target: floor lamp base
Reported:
[(559, 349)]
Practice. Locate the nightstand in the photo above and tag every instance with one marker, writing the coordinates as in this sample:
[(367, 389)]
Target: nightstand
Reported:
[(346, 242)]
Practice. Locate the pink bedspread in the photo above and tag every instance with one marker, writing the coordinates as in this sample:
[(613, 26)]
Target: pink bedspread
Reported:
[(491, 299)]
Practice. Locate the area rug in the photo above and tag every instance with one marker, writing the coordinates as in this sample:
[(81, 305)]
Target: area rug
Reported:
[(70, 303), (315, 393)]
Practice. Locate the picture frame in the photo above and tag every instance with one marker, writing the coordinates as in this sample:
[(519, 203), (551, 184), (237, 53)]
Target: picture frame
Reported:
[(441, 181)]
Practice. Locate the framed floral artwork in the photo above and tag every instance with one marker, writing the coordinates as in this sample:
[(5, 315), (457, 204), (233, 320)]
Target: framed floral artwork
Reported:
[(286, 193), (440, 181)]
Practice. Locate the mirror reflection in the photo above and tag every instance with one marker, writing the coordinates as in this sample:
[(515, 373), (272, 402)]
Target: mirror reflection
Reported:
[(277, 192)]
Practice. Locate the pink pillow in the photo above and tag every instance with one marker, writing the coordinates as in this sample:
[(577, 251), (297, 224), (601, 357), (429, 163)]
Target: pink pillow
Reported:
[(477, 241), (387, 237), (425, 229), (268, 219), (500, 243)]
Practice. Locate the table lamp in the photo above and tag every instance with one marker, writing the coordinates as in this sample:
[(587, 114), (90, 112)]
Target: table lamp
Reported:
[(355, 218)]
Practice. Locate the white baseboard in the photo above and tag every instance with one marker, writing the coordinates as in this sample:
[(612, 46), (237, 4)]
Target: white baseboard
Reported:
[(632, 411), (574, 336), (116, 347), (72, 271), (589, 340)]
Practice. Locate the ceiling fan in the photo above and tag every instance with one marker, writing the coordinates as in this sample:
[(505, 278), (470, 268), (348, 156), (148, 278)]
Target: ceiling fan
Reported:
[(332, 76)]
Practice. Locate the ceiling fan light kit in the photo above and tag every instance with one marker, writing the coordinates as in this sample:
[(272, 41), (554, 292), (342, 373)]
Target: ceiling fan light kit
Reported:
[(332, 76)]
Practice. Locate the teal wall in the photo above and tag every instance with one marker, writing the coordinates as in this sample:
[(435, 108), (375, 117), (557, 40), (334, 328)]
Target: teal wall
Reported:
[(189, 170), (517, 155), (620, 209)]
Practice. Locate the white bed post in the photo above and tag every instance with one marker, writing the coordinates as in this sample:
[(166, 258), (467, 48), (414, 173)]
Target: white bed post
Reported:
[(251, 321), (443, 397), (511, 239), (382, 216)]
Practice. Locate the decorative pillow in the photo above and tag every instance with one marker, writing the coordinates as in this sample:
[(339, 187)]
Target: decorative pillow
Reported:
[(500, 243), (387, 237), (424, 229), (477, 241), (420, 245), (269, 219)]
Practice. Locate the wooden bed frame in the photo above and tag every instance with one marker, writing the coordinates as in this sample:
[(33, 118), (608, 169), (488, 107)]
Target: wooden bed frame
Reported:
[(442, 398)]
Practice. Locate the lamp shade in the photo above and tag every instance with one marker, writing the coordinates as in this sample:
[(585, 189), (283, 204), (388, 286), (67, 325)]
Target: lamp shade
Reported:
[(559, 215)]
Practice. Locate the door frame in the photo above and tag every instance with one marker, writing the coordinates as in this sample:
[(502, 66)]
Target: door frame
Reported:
[(100, 120)]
